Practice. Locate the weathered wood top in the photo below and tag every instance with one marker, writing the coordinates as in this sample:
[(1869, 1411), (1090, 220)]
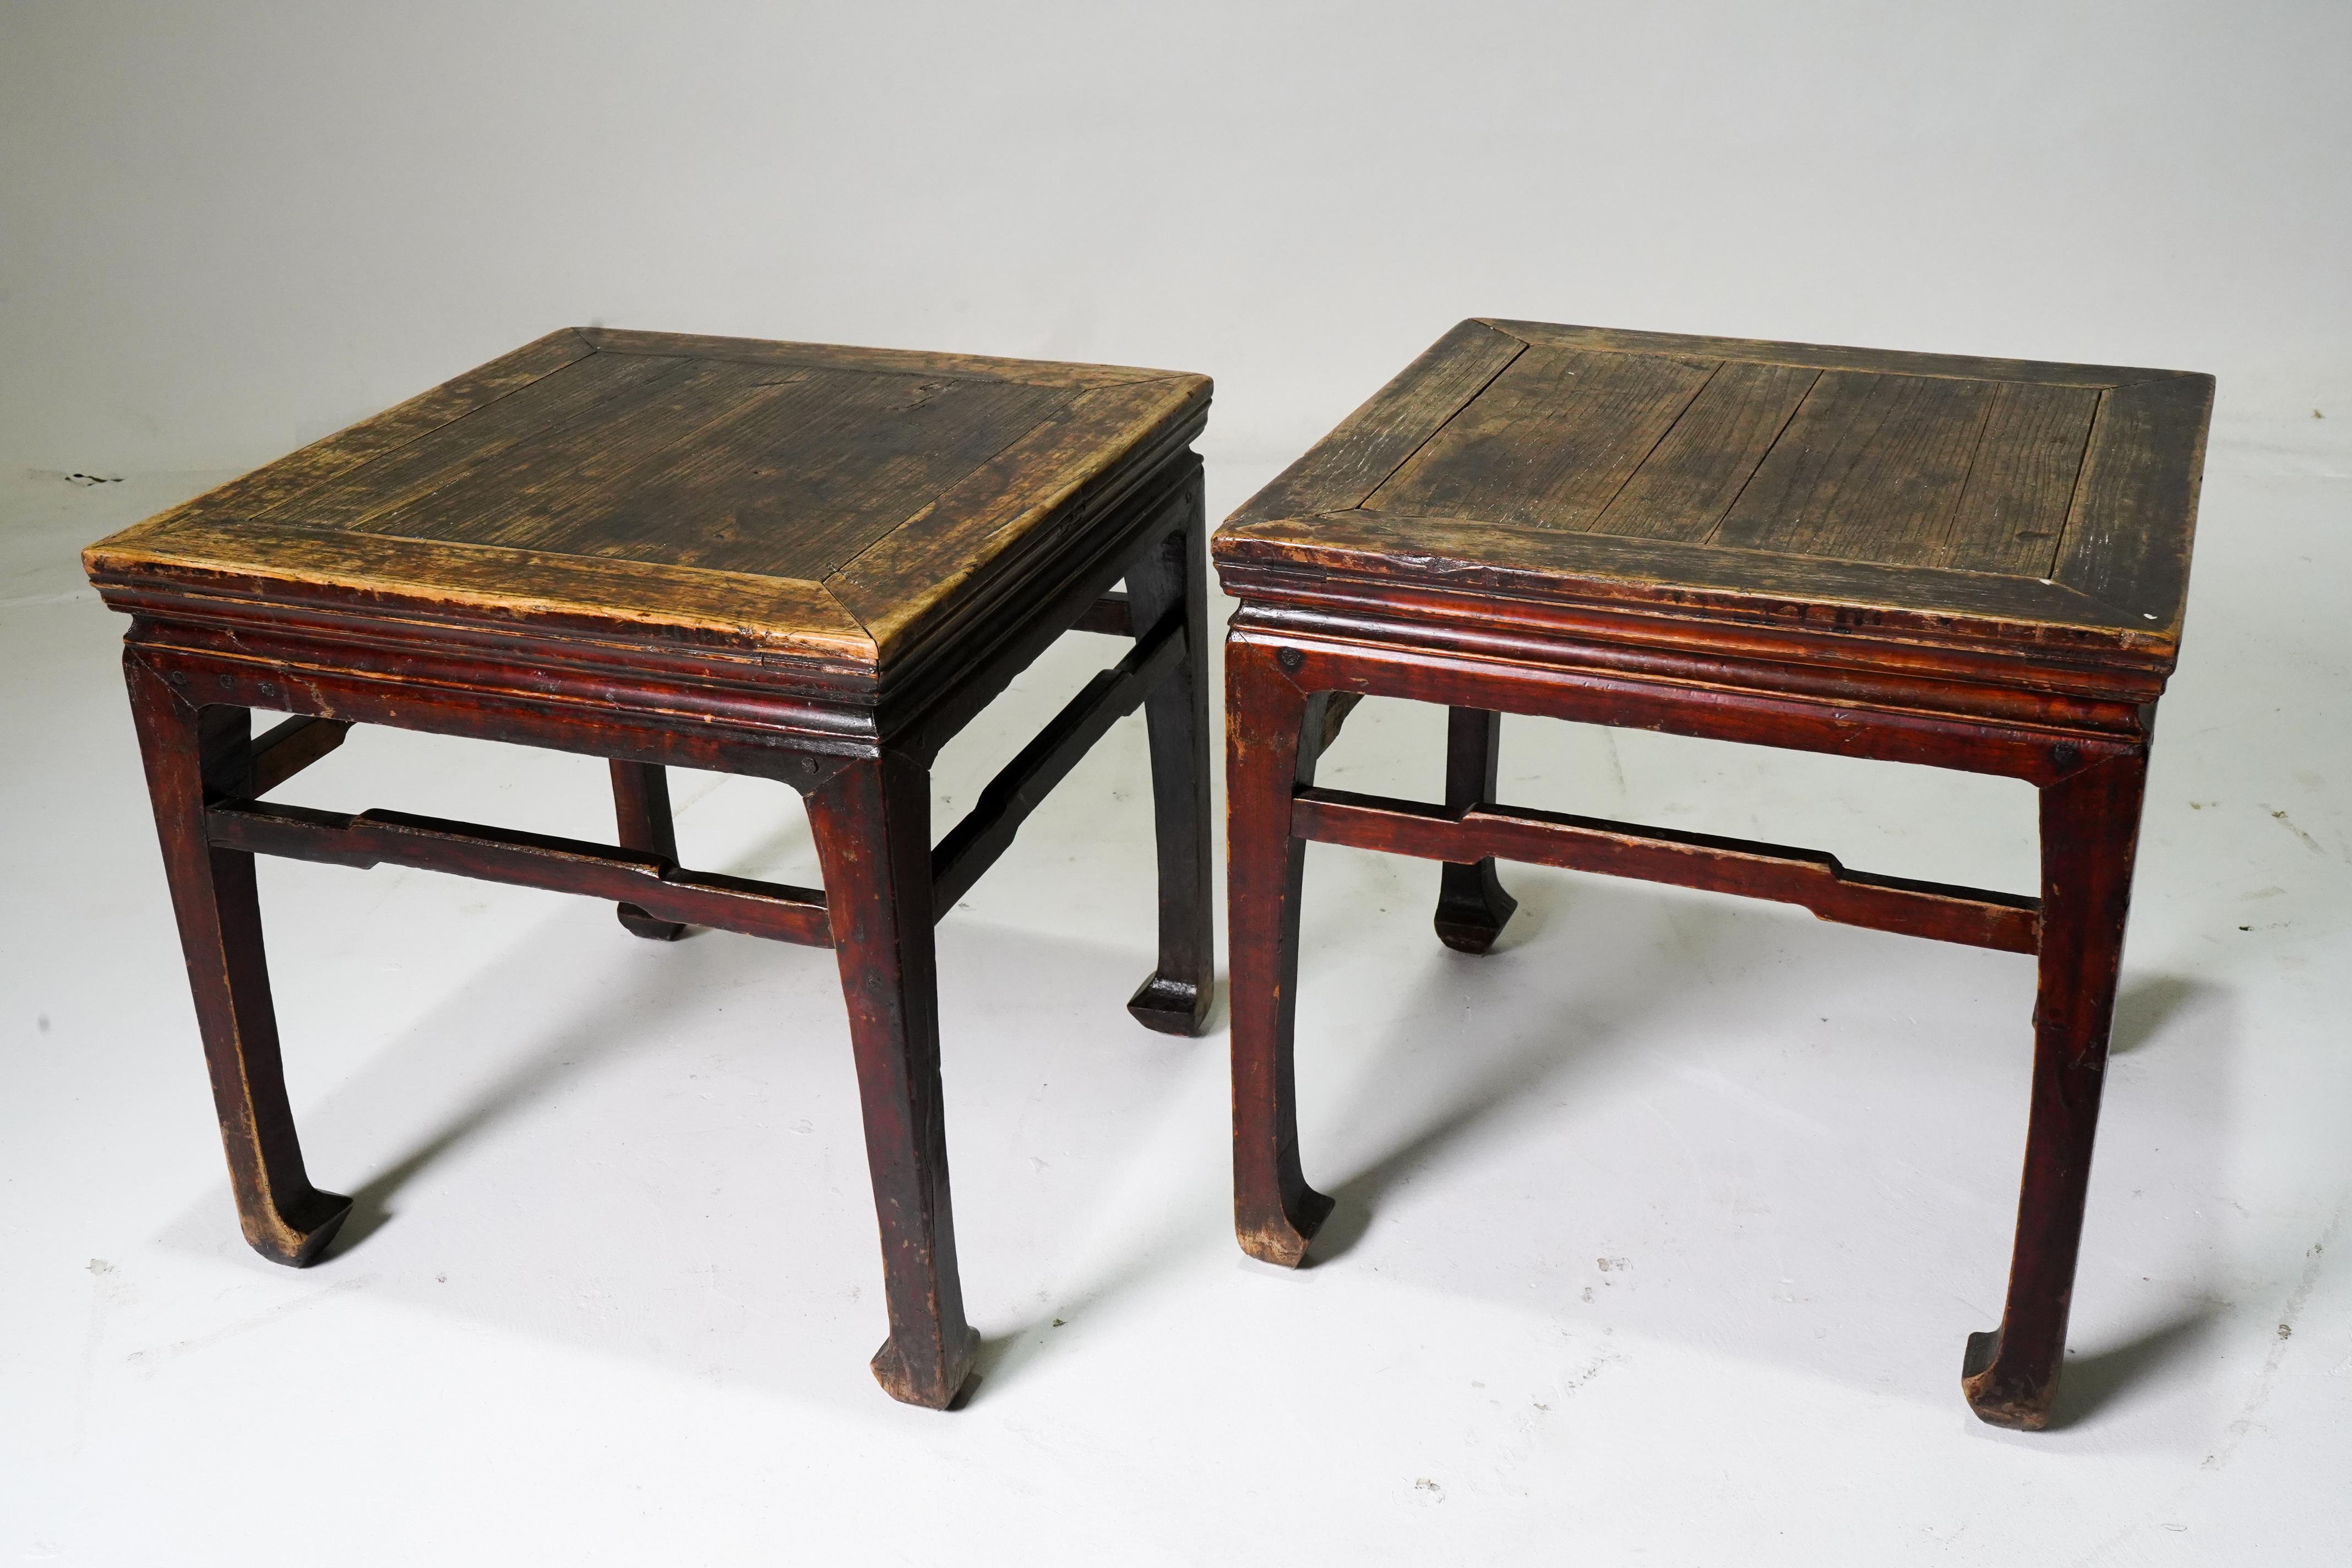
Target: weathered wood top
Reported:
[(796, 498), (2017, 504)]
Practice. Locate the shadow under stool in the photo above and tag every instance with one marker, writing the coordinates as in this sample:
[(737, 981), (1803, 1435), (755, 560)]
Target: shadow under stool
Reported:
[(1970, 563), (806, 564)]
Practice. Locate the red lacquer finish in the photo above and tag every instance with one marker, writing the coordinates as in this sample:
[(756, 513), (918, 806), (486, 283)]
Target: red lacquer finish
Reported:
[(1965, 564), (804, 564)]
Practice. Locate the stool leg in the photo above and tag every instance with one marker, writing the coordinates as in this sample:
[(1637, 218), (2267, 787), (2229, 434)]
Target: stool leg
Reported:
[(1268, 755), (641, 807), (1173, 576), (2090, 824), (872, 823), (1472, 906), (284, 1218)]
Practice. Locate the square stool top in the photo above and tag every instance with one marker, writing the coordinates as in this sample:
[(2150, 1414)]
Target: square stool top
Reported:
[(794, 501), (2029, 507)]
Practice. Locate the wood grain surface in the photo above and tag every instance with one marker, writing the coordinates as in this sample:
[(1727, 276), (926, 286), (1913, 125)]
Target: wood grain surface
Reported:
[(791, 497), (1965, 564), (1905, 489), (809, 564)]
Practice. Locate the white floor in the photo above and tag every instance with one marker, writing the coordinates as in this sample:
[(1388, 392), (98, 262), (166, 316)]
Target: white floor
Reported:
[(1661, 1228)]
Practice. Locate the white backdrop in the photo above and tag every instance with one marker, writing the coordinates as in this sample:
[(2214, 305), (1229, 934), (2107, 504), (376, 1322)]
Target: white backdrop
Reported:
[(1660, 1227), (227, 228)]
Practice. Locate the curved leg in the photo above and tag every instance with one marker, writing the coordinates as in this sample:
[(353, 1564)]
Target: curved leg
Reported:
[(1173, 576), (641, 807), (188, 749), (872, 823), (1275, 1213), (1472, 906), (2090, 824)]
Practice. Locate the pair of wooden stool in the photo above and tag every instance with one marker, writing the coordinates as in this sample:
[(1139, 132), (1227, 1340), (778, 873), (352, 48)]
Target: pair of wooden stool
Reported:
[(817, 564)]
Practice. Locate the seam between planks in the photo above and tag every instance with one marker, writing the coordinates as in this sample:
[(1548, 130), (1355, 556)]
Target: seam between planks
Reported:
[(1762, 458), (676, 372), (374, 458), (895, 529), (684, 371), (2074, 498), (1680, 415), (1943, 552), (1061, 411), (593, 352), (1370, 495)]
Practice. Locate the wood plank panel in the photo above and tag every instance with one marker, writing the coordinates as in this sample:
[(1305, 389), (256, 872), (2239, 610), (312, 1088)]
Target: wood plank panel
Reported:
[(1871, 468), (584, 390), (2128, 540), (871, 361), (1827, 356), (2022, 482), (1550, 440), (794, 480), (389, 431), (1369, 444), (501, 498), (1683, 487)]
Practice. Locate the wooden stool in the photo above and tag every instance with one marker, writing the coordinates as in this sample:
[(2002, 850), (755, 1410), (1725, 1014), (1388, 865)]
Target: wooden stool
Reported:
[(1971, 563), (812, 564)]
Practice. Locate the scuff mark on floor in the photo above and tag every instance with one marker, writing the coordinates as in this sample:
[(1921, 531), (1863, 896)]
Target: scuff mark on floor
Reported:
[(108, 1291), (2287, 822), (2283, 1336), (150, 1360)]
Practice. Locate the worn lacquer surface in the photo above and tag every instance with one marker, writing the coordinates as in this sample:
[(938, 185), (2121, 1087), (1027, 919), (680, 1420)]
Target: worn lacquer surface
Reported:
[(1998, 502), (1966, 563), (812, 565), (794, 500)]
